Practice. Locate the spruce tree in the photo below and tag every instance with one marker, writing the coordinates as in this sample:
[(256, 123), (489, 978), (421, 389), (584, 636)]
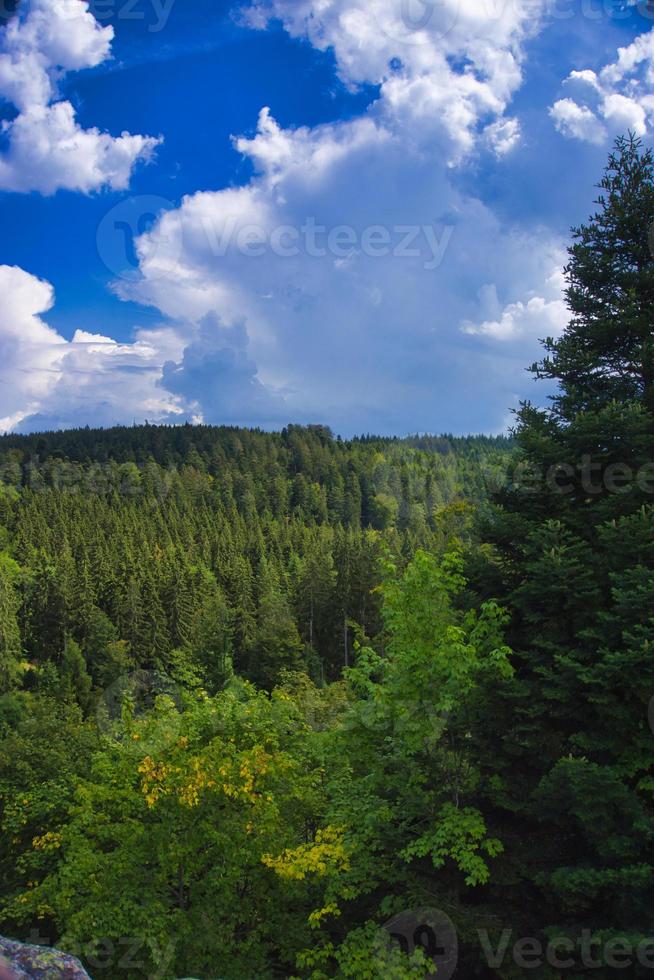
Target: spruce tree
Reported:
[(10, 640), (607, 351), (573, 561)]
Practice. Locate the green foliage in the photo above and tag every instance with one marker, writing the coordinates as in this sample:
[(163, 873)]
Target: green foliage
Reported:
[(573, 561), (10, 638), (349, 680)]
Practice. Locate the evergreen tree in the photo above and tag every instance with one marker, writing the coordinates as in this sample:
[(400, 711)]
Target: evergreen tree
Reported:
[(212, 640), (606, 354), (573, 561), (10, 639), (277, 645), (75, 680)]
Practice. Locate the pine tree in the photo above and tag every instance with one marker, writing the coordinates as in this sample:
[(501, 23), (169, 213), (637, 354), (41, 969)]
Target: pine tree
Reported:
[(574, 563), (277, 645), (10, 640), (212, 639), (75, 679), (607, 351), (314, 592)]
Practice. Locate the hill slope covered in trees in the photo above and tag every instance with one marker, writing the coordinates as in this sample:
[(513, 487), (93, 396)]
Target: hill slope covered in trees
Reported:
[(218, 546)]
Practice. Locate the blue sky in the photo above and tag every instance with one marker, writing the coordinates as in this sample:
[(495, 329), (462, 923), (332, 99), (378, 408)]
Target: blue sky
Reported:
[(346, 211)]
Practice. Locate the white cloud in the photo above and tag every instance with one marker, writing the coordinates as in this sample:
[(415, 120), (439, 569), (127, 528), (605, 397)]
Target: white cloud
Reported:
[(441, 66), (618, 99), (349, 333), (333, 285), (537, 316), (503, 135), (49, 382), (48, 150), (346, 331), (216, 367), (577, 121)]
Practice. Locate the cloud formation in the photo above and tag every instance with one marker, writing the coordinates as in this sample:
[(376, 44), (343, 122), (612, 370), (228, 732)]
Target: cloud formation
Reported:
[(48, 382), (537, 316), (449, 67), (353, 279), (352, 256), (616, 100), (47, 150), (215, 365)]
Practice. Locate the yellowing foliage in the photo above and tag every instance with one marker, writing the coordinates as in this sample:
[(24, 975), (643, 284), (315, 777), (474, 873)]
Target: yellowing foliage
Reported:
[(47, 842), (327, 853), (237, 778)]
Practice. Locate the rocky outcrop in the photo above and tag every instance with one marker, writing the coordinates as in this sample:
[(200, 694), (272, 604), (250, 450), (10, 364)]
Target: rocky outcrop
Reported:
[(20, 962)]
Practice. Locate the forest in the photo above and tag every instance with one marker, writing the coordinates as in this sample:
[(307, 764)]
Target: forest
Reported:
[(261, 694)]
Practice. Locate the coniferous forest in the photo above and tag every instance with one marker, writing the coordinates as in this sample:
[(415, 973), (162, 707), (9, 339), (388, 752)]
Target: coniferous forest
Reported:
[(263, 693)]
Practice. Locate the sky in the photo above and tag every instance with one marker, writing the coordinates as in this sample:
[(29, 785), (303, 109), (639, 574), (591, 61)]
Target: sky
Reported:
[(347, 212)]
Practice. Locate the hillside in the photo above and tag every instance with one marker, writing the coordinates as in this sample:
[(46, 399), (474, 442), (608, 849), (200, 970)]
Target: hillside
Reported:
[(138, 542)]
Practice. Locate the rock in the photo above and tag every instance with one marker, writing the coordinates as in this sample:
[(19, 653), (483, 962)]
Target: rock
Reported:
[(20, 962)]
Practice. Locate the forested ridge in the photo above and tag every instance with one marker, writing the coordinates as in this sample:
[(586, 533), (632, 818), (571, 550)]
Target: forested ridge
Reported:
[(136, 543), (264, 693)]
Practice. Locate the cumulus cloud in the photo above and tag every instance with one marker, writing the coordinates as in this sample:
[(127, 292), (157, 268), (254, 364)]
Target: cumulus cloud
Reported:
[(216, 366), (536, 316), (577, 121), (441, 66), (618, 99), (503, 135), (351, 258), (351, 261), (48, 382), (333, 285), (47, 149)]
